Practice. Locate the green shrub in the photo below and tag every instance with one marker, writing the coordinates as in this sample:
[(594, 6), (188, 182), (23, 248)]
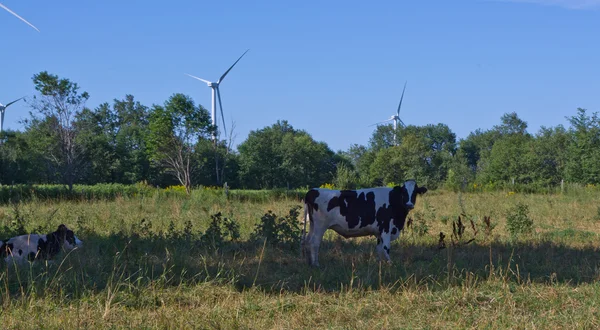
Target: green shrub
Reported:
[(518, 221), (419, 224), (279, 230), (219, 231)]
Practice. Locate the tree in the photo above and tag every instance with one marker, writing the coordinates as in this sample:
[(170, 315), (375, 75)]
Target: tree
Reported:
[(583, 163), (175, 130), (511, 124), (130, 140), (459, 173), (14, 165), (114, 140), (281, 156), (442, 143), (476, 148), (550, 148), (361, 159), (96, 133), (477, 145), (58, 102), (411, 159), (204, 159), (438, 145), (383, 137), (510, 159)]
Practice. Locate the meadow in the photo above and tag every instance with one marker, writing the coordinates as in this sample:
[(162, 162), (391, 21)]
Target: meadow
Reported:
[(153, 260)]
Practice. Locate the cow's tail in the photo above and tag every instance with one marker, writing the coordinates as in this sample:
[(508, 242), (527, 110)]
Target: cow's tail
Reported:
[(307, 217)]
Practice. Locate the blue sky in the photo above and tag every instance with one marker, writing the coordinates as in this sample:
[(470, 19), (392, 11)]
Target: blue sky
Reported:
[(329, 67)]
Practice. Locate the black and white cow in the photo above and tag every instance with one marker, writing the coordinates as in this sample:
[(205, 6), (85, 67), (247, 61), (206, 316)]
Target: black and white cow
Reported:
[(34, 246), (380, 212)]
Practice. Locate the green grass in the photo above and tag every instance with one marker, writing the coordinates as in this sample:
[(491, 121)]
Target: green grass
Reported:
[(150, 274)]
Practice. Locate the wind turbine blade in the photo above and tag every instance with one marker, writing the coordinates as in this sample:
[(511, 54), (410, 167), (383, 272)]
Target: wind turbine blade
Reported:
[(231, 67), (206, 81), (6, 106), (381, 122), (19, 17), (221, 107), (401, 98), (401, 122)]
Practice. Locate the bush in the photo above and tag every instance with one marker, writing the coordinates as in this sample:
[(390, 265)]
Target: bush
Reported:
[(220, 230), (279, 230), (419, 225), (518, 221)]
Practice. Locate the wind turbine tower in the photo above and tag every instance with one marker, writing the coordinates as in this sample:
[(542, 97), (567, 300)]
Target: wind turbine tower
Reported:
[(19, 17), (216, 96), (396, 117)]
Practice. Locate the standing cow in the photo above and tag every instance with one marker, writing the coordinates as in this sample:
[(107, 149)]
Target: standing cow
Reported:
[(380, 212)]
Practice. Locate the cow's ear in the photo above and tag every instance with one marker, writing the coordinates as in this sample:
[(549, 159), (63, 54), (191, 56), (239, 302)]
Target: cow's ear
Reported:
[(421, 190), (62, 228)]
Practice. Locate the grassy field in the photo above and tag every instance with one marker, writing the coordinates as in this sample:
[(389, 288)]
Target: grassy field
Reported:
[(147, 263)]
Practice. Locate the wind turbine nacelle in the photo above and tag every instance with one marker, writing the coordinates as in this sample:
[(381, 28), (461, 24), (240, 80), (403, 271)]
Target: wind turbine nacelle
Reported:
[(213, 84)]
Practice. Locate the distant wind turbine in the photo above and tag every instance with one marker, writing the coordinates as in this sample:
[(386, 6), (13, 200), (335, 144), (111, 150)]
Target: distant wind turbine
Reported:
[(2, 110), (396, 117), (216, 96), (19, 17)]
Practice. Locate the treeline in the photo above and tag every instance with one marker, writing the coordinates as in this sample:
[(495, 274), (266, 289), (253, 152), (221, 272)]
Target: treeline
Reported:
[(125, 142)]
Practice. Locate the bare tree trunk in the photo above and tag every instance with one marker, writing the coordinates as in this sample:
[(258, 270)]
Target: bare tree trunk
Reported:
[(180, 164)]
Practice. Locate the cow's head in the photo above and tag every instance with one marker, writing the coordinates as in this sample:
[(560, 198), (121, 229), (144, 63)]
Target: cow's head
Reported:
[(68, 238), (409, 193)]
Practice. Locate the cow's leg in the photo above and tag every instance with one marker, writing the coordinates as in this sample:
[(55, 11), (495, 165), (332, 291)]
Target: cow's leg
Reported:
[(384, 250), (314, 243), (303, 239), (306, 244), (379, 248)]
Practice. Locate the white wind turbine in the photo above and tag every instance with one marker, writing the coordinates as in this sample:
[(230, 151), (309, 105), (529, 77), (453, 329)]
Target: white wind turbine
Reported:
[(19, 17), (396, 117), (2, 110), (216, 96)]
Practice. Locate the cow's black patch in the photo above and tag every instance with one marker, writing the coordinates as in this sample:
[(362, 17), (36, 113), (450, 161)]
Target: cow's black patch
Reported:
[(20, 252), (311, 197), (31, 256), (51, 246), (310, 201), (359, 209), (70, 237), (6, 249), (394, 231), (384, 216), (399, 210), (387, 249), (395, 211)]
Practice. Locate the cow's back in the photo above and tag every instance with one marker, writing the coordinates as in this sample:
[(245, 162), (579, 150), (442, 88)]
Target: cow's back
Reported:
[(24, 246)]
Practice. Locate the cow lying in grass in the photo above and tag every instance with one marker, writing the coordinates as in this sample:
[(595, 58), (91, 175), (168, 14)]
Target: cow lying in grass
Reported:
[(380, 212), (33, 246)]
